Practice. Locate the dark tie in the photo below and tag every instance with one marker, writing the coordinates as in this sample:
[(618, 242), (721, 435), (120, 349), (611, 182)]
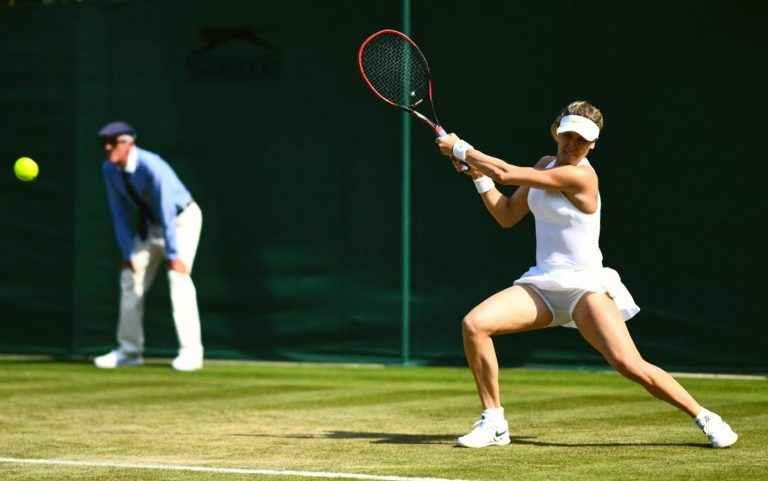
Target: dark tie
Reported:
[(145, 214)]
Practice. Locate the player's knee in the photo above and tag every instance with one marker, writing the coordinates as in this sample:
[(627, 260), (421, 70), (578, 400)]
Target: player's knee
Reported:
[(472, 325)]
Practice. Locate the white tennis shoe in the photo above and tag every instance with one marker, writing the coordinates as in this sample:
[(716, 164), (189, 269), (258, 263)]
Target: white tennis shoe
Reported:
[(118, 358), (188, 360), (718, 431), (486, 432)]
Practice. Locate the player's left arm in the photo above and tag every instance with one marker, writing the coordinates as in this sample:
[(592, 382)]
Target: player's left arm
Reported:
[(568, 178)]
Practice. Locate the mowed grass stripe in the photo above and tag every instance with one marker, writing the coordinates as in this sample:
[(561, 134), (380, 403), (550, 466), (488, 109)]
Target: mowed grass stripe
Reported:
[(390, 421), (211, 469)]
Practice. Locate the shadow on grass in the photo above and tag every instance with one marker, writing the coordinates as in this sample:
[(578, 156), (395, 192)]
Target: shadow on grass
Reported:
[(375, 438), (450, 439), (528, 442), (394, 438)]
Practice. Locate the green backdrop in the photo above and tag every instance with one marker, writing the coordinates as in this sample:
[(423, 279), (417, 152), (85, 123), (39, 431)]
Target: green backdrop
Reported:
[(298, 170)]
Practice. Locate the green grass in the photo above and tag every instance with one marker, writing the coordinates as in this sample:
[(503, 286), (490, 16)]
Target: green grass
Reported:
[(385, 421)]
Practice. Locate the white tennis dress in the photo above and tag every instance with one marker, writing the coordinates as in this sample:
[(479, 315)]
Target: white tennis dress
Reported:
[(569, 262)]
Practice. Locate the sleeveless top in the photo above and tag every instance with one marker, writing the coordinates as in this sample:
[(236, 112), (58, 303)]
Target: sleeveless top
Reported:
[(566, 238), (568, 253)]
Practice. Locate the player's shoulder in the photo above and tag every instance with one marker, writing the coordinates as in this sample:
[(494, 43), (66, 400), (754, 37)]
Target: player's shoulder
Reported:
[(544, 161)]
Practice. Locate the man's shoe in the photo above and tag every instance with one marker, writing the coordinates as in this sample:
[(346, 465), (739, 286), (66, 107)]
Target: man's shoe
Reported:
[(486, 433), (118, 358), (718, 431), (188, 360)]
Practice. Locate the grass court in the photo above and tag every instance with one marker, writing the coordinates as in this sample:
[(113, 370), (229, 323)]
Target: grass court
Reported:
[(397, 422)]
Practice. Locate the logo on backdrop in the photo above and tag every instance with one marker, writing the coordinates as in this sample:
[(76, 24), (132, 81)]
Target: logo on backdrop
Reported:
[(233, 54)]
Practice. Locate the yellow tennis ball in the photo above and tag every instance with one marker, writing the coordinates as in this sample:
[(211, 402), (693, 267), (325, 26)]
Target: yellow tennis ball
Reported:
[(26, 169)]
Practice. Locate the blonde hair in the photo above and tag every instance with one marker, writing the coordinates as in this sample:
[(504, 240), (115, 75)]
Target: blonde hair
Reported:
[(581, 108)]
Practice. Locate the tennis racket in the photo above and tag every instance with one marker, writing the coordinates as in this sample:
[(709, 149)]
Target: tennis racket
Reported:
[(396, 71)]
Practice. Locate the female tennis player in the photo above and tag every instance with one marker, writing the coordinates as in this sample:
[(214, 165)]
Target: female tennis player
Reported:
[(568, 286)]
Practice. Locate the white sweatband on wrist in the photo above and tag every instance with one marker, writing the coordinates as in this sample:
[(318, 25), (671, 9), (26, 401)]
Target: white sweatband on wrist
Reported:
[(483, 184), (460, 149)]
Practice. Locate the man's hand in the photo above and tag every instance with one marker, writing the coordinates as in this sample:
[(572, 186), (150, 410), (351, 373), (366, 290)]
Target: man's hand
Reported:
[(178, 265), (126, 265)]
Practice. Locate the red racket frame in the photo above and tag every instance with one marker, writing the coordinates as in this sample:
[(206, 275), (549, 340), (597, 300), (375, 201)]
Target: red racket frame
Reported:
[(439, 131)]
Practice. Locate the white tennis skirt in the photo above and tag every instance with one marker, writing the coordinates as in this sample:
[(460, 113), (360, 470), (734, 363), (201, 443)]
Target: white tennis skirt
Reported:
[(603, 280)]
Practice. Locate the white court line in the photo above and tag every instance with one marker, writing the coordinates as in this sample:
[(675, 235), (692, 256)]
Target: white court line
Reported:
[(210, 469), (703, 375)]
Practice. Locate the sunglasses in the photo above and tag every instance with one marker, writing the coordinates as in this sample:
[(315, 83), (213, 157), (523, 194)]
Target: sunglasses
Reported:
[(113, 141)]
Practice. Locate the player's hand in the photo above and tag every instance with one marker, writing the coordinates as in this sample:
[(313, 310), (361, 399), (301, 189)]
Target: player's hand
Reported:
[(126, 265), (178, 265), (445, 144), (465, 169)]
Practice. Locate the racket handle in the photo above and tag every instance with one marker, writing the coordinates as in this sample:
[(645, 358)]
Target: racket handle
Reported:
[(442, 133)]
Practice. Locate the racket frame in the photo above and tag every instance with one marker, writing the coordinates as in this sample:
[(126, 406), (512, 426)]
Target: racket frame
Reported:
[(434, 125)]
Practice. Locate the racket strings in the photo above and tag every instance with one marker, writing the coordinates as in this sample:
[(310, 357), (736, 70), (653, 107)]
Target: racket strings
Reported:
[(396, 70)]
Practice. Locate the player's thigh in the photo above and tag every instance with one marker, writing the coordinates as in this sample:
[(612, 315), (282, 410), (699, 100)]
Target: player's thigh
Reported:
[(601, 324), (515, 309)]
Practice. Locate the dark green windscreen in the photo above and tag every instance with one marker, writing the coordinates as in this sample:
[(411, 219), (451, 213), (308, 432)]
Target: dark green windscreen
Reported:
[(259, 108)]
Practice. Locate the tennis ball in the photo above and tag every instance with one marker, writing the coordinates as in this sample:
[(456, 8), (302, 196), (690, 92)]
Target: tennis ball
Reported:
[(26, 169)]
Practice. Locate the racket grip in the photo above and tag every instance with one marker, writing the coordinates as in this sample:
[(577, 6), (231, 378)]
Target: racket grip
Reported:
[(442, 133)]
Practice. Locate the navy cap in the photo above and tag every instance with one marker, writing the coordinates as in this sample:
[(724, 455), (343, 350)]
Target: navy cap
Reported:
[(116, 128)]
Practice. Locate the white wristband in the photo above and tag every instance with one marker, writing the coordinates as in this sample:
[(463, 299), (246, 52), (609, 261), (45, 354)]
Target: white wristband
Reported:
[(483, 184), (460, 149)]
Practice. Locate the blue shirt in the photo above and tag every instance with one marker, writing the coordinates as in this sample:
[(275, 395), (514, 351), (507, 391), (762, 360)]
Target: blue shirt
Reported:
[(157, 185)]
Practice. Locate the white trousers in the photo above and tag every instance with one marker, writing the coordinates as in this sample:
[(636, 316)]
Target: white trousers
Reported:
[(147, 257)]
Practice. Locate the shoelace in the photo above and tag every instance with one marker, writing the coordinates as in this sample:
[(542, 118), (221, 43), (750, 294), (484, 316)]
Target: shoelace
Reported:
[(480, 423), (705, 424)]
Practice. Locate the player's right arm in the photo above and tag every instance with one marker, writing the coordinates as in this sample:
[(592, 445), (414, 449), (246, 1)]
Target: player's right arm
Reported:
[(508, 210)]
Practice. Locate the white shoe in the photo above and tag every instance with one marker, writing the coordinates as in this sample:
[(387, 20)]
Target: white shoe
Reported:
[(486, 433), (118, 358), (718, 431), (188, 360)]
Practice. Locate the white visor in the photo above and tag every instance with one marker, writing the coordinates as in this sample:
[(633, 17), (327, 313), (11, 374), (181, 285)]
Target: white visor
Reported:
[(581, 125)]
